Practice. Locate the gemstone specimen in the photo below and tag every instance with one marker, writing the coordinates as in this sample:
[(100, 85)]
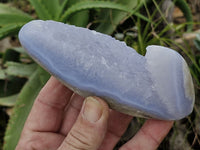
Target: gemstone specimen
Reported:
[(157, 85)]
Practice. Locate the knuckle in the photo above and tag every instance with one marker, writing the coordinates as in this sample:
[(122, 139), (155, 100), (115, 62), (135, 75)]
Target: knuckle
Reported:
[(78, 140), (151, 138), (31, 142)]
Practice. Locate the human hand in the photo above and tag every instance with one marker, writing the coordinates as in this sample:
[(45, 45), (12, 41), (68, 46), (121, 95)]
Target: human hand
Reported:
[(62, 120)]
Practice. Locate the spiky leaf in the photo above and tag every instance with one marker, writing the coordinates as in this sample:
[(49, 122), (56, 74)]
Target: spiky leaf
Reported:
[(19, 69), (40, 9), (9, 30), (20, 50), (23, 107), (52, 6), (79, 18), (6, 19), (61, 10), (7, 9), (84, 5), (112, 18)]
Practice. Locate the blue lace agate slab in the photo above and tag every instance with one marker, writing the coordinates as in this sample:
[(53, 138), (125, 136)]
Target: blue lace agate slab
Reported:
[(157, 85)]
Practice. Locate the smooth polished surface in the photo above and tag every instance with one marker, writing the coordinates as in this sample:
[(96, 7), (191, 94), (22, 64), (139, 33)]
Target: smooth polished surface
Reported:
[(157, 85)]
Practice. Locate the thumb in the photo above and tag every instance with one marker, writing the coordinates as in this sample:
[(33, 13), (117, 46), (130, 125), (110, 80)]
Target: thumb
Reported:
[(90, 127)]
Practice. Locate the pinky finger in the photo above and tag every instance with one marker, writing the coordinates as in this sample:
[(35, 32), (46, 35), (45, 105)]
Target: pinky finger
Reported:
[(149, 136)]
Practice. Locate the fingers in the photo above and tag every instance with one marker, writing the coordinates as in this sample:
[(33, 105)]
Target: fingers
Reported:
[(117, 125), (71, 113), (149, 136), (90, 127), (47, 111)]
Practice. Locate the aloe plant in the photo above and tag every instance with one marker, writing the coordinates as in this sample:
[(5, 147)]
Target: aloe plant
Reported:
[(112, 18), (12, 19)]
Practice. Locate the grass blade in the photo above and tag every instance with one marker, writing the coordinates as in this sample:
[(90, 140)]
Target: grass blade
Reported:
[(182, 4)]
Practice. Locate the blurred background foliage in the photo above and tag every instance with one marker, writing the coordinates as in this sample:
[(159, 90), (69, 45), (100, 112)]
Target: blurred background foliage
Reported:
[(171, 23)]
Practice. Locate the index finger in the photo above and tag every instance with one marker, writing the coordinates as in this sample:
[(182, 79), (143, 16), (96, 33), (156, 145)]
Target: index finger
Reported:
[(150, 135), (47, 111)]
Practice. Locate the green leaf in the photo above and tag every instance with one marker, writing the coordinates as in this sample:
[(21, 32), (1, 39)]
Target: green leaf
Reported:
[(184, 7), (19, 69), (40, 9), (10, 30), (22, 108), (43, 75), (6, 19), (20, 50), (61, 10), (79, 18), (7, 9), (52, 7), (84, 5), (8, 101), (2, 74), (112, 18)]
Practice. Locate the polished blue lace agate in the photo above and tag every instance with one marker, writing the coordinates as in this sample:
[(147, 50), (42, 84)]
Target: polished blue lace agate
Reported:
[(157, 85)]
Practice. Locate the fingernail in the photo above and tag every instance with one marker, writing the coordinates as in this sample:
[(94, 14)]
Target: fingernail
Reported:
[(92, 110)]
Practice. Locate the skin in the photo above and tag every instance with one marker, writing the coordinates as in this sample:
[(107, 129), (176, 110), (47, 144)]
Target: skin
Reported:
[(62, 120)]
